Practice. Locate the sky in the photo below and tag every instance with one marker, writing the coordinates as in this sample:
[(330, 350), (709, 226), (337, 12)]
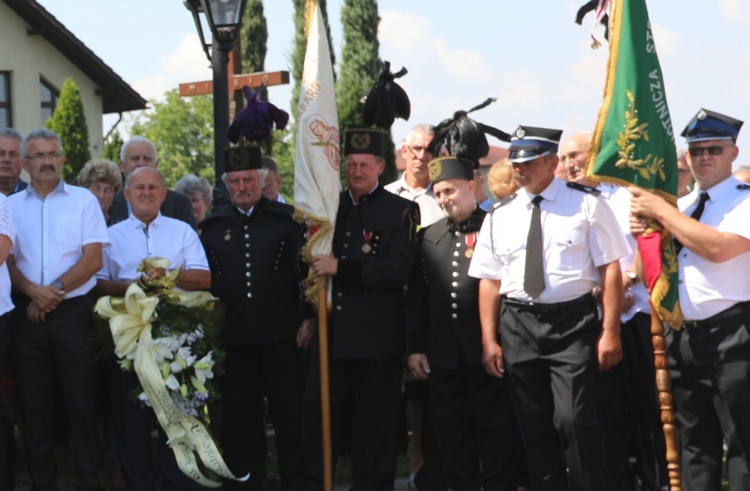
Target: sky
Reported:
[(530, 55)]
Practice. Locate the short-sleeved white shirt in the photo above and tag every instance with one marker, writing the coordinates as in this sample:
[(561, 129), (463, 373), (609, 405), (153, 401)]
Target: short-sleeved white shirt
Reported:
[(707, 288), (429, 211), (132, 241), (52, 231), (579, 232), (7, 229), (618, 199)]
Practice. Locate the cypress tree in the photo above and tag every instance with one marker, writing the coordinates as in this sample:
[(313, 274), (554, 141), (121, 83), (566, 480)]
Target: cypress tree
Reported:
[(112, 147), (254, 35), (69, 122), (359, 69)]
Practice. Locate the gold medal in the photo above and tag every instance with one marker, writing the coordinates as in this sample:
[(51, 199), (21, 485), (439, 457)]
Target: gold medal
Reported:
[(468, 253), (367, 248)]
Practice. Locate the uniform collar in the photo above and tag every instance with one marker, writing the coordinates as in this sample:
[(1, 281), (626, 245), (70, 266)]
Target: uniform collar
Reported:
[(549, 193), (471, 224), (376, 191)]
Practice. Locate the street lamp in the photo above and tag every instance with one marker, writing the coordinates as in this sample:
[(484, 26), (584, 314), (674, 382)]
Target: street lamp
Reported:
[(223, 18)]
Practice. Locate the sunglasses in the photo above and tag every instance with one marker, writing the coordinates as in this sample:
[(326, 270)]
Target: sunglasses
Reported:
[(712, 150)]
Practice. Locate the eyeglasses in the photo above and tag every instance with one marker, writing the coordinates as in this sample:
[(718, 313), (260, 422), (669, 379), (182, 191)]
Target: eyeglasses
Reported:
[(41, 157), (417, 150), (712, 150)]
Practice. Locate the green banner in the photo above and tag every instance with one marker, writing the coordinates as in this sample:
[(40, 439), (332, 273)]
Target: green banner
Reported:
[(633, 142)]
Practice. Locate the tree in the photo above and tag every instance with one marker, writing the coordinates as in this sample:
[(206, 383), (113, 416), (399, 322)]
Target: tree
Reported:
[(253, 36), (112, 146), (359, 69), (69, 122), (182, 129)]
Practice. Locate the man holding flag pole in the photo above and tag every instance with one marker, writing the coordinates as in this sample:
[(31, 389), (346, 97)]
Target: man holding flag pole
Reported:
[(709, 354), (316, 199)]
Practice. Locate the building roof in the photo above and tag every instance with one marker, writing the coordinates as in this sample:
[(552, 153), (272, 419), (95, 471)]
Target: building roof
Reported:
[(496, 153), (117, 95)]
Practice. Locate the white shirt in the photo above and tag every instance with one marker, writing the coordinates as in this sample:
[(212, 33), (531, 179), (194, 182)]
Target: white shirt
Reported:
[(429, 210), (579, 231), (7, 229), (618, 199), (51, 232), (707, 288), (132, 242)]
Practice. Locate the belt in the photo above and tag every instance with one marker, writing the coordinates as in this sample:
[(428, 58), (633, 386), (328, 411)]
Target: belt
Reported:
[(546, 307), (733, 311)]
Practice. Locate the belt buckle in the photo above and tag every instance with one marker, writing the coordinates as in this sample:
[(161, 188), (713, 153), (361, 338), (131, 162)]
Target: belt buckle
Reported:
[(690, 325)]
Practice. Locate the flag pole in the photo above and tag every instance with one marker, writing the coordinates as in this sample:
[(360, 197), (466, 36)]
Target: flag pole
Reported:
[(325, 387), (666, 400)]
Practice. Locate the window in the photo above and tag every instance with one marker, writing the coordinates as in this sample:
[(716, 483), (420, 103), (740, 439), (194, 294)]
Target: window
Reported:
[(5, 115), (49, 97)]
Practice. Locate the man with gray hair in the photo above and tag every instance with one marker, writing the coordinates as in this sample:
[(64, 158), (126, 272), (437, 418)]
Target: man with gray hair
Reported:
[(57, 252), (141, 152), (10, 161), (414, 183)]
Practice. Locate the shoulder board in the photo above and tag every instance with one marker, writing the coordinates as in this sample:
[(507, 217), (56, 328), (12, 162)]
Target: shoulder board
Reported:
[(503, 202), (743, 186), (585, 189)]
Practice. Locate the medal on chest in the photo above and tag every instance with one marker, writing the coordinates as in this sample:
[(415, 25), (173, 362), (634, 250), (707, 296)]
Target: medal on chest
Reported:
[(227, 235), (470, 240), (367, 236)]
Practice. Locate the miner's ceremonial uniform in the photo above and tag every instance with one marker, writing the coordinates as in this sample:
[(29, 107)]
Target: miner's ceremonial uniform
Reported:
[(256, 271), (375, 243), (471, 411), (549, 341)]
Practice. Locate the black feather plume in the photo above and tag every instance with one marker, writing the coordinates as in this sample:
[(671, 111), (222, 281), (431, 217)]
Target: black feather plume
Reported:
[(386, 100), (463, 137)]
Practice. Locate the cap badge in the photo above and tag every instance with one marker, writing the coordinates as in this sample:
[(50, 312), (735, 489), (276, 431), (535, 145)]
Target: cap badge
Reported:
[(520, 133), (360, 141), (702, 115), (435, 169)]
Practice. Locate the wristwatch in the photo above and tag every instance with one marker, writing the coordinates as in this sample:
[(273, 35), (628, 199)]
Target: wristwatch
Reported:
[(58, 284), (633, 277)]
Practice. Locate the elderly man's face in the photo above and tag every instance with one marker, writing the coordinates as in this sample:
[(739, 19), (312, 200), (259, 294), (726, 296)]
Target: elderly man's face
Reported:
[(417, 157), (145, 193), (11, 156), (138, 154), (245, 188), (362, 172)]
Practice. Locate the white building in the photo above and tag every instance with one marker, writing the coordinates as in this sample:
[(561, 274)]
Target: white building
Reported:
[(37, 54)]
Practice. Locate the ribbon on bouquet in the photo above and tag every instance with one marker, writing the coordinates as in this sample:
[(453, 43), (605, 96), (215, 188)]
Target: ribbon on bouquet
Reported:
[(130, 323)]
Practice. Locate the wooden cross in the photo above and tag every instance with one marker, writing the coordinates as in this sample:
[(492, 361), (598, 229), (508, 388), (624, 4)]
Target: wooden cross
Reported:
[(236, 82)]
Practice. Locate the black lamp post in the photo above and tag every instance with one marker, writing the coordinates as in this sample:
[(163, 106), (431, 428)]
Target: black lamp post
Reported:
[(223, 18)]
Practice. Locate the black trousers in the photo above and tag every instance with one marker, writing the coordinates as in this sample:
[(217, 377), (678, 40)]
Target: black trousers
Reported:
[(5, 442), (645, 435), (375, 386), (476, 429), (57, 350), (252, 372), (551, 360), (710, 368), (133, 424)]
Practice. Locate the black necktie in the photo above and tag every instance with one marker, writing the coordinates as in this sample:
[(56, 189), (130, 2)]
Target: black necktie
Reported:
[(695, 214), (533, 282)]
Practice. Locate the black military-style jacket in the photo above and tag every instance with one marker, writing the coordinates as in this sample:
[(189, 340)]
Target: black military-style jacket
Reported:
[(375, 243), (443, 305), (256, 271)]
